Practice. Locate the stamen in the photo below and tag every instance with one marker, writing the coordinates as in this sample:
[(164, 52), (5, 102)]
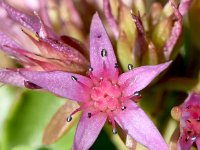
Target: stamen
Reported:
[(103, 53), (137, 94), (123, 108), (130, 66), (198, 120), (123, 99), (69, 118), (84, 85), (74, 78), (82, 107), (114, 131), (90, 69), (89, 115), (188, 121), (188, 107), (116, 65), (193, 138)]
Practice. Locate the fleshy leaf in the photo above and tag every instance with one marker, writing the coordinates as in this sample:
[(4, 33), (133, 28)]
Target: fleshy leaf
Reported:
[(68, 85), (140, 46), (110, 18), (28, 117), (58, 124), (175, 33), (102, 57), (124, 52), (87, 131), (139, 78), (138, 125)]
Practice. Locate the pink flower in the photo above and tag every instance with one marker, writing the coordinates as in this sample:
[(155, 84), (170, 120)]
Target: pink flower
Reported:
[(190, 122), (26, 37), (104, 94)]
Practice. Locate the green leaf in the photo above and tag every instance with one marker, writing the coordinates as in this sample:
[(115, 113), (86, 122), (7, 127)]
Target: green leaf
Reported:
[(28, 118), (7, 94)]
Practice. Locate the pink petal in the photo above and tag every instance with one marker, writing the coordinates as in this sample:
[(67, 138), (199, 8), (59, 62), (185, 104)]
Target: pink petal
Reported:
[(138, 125), (102, 57), (43, 11), (61, 83), (175, 34), (198, 143), (11, 77), (56, 49), (29, 21), (182, 144), (10, 47), (6, 41), (192, 99), (110, 18), (184, 6), (139, 78), (87, 131)]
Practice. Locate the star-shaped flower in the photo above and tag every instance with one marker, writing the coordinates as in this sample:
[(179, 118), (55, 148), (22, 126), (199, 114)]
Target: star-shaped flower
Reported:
[(105, 94)]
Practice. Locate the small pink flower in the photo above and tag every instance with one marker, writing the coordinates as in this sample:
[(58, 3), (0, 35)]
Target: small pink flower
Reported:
[(105, 94), (190, 122)]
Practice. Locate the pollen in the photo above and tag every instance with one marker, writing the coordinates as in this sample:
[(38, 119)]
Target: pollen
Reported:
[(106, 95)]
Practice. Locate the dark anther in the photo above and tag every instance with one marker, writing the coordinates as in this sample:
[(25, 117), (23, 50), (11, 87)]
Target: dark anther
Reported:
[(99, 36), (188, 107), (130, 66), (188, 121), (186, 139), (116, 65), (69, 118), (89, 115), (90, 69), (198, 119), (114, 131), (56, 42), (31, 85), (189, 132), (74, 78), (123, 107), (103, 53), (137, 93)]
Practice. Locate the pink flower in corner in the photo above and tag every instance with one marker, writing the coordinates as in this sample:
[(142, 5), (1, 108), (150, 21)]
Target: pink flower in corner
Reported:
[(190, 122), (104, 94)]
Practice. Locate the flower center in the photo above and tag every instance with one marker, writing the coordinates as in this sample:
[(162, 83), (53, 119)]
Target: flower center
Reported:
[(192, 122), (106, 96)]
